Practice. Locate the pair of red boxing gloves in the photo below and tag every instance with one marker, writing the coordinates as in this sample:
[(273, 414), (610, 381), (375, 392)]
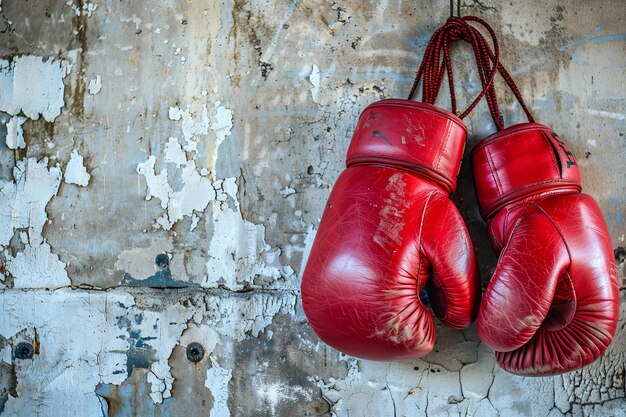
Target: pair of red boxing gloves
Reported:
[(390, 239)]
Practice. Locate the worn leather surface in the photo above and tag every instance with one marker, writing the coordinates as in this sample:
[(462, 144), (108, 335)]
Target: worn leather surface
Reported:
[(552, 303), (388, 231), (416, 136)]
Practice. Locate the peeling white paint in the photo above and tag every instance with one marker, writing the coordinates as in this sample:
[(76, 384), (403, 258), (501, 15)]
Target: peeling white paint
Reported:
[(242, 318), (84, 337), (7, 200), (157, 183), (224, 122), (95, 85), (15, 134), (237, 246), (24, 207), (197, 190), (75, 172), (194, 222), (87, 8), (195, 194), (162, 331), (316, 80), (79, 344), (32, 85), (35, 185), (243, 233), (160, 383), (175, 113), (37, 267), (217, 379), (194, 125), (221, 127), (286, 192)]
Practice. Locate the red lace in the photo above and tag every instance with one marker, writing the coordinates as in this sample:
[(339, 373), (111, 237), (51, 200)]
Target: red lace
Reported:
[(436, 63)]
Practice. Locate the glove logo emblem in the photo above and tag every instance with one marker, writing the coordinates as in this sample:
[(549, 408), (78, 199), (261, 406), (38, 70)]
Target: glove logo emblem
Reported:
[(377, 134), (568, 155)]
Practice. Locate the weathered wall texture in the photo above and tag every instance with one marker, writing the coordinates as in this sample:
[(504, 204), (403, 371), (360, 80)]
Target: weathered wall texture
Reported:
[(163, 169)]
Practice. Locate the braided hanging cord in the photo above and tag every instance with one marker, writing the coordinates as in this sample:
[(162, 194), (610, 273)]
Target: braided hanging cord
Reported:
[(436, 63)]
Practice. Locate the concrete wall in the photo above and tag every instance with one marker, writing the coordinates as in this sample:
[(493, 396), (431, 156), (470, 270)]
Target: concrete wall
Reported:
[(164, 171)]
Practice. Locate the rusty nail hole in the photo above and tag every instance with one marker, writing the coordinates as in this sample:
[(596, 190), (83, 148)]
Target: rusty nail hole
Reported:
[(24, 351), (620, 255), (162, 260), (195, 352)]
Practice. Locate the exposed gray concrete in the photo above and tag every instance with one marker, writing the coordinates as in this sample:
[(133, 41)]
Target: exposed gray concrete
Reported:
[(212, 132)]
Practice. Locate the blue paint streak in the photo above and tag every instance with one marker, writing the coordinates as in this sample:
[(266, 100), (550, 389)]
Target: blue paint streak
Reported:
[(282, 23), (614, 37), (576, 45), (420, 41), (292, 7), (272, 48), (579, 42)]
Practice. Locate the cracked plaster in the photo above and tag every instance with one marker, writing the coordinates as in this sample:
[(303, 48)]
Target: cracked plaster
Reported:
[(212, 133)]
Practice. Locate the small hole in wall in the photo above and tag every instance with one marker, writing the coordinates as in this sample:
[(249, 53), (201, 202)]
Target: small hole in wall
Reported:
[(310, 170), (162, 260), (195, 352), (24, 351)]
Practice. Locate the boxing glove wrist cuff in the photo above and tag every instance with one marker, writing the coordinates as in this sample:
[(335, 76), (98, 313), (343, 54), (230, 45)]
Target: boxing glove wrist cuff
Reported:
[(410, 135), (519, 163)]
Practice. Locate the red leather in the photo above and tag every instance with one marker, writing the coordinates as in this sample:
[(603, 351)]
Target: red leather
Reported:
[(552, 304), (388, 231), (432, 144), (514, 172)]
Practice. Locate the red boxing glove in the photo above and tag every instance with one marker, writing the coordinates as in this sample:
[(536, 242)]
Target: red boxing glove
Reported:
[(389, 230), (552, 303)]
